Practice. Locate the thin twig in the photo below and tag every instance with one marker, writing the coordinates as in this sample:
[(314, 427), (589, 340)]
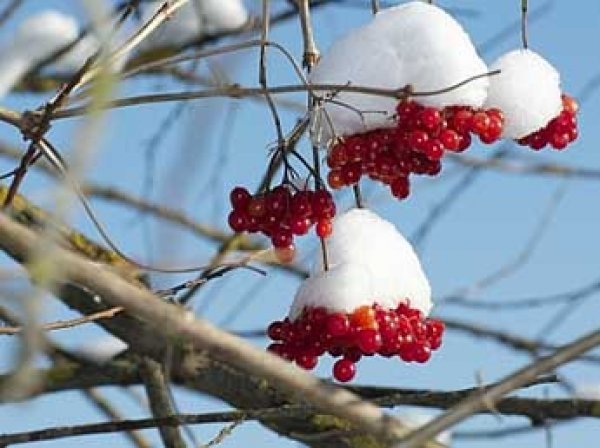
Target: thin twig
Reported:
[(62, 324)]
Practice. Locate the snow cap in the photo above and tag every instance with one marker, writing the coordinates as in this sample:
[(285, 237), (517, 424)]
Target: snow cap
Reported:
[(527, 91), (369, 261), (415, 44)]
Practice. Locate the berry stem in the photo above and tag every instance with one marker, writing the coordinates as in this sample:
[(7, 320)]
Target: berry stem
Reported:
[(524, 8), (375, 6), (324, 254), (358, 196)]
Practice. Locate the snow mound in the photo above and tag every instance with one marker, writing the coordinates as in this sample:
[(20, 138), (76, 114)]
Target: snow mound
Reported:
[(194, 20), (369, 261), (37, 38), (527, 90), (413, 44)]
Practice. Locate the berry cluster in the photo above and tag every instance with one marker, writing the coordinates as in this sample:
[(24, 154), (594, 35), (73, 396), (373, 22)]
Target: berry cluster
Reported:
[(281, 214), (416, 145), (559, 132), (369, 330)]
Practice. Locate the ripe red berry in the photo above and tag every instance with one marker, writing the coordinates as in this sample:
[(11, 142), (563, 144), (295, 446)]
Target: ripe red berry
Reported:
[(306, 361), (461, 121), (480, 123), (257, 207), (430, 118), (450, 139), (351, 173), (335, 179), (238, 221), (400, 187), (337, 324), (299, 226), (322, 204), (324, 228), (417, 139), (282, 238), (239, 198), (344, 370), (274, 330), (433, 149), (559, 140), (368, 340)]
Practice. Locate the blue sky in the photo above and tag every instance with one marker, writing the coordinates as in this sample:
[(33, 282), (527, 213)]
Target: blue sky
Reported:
[(222, 143)]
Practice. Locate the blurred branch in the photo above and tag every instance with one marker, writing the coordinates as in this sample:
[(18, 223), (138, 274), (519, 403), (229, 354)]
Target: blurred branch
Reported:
[(537, 410), (489, 398), (160, 401), (515, 167)]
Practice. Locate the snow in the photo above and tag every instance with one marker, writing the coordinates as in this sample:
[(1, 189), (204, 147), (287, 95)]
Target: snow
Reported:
[(369, 261), (587, 391), (527, 90), (194, 20), (101, 350), (414, 43), (37, 38)]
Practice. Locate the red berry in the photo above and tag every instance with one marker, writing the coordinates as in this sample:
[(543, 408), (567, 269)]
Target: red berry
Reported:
[(461, 121), (450, 139), (324, 228), (299, 226), (322, 204), (417, 139), (337, 156), (337, 324), (274, 330), (421, 353), (369, 341), (480, 123), (306, 361), (335, 179), (401, 187), (282, 238), (300, 204), (257, 207), (430, 118), (238, 221), (239, 198), (351, 173), (464, 142), (344, 370), (559, 140), (433, 149)]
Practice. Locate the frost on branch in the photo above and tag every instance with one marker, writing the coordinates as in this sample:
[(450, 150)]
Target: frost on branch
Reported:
[(413, 44), (527, 90)]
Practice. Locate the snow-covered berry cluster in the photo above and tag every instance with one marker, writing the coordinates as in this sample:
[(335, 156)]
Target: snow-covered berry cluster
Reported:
[(281, 214), (416, 145), (421, 46), (368, 330), (372, 298), (559, 132)]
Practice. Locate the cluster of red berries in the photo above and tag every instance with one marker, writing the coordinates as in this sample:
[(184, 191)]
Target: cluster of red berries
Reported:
[(281, 214), (369, 330), (416, 145), (559, 132)]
